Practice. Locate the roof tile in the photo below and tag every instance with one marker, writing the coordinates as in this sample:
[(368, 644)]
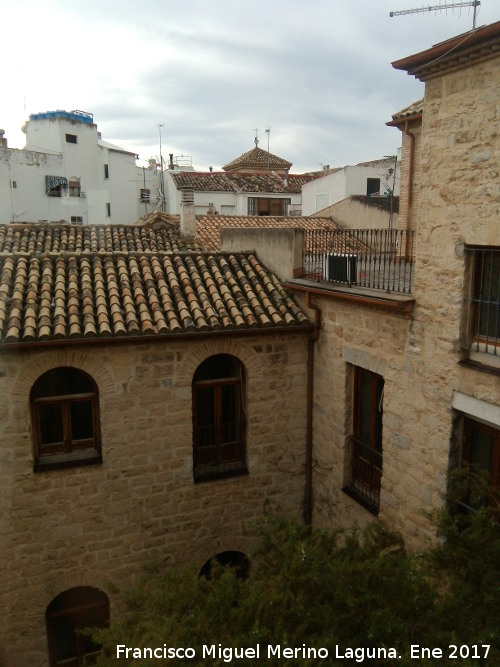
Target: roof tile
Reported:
[(58, 281)]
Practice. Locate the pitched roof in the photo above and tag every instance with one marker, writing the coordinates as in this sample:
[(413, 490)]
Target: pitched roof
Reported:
[(64, 282), (257, 159), (412, 112), (378, 201), (453, 54), (241, 181)]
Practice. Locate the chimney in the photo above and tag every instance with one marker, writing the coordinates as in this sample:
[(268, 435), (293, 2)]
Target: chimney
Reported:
[(188, 218), (3, 140), (170, 160)]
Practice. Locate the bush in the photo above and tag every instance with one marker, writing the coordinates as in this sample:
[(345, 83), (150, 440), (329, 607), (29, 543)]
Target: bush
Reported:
[(324, 589)]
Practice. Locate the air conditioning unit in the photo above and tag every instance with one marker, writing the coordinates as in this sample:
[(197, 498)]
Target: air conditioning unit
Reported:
[(341, 268)]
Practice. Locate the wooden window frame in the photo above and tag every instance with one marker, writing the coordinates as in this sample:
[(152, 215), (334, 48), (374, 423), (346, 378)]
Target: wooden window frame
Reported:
[(69, 451), (366, 456), (75, 613), (483, 337), (220, 467)]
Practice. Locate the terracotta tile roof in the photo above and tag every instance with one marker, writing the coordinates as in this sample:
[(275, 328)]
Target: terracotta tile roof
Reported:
[(414, 110), (60, 281), (208, 227), (55, 237), (242, 181), (257, 159), (378, 201)]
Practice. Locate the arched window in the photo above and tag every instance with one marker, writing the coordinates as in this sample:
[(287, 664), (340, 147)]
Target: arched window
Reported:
[(66, 616), (65, 416), (218, 418), (234, 559)]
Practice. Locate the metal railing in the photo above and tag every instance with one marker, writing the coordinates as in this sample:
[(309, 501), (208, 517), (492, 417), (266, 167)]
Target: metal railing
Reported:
[(366, 474), (380, 259)]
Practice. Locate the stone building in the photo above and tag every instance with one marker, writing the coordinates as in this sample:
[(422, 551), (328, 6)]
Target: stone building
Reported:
[(406, 371), (155, 396), (153, 404)]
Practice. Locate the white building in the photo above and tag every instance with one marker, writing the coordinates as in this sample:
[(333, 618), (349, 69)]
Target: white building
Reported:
[(367, 178), (67, 172), (257, 183)]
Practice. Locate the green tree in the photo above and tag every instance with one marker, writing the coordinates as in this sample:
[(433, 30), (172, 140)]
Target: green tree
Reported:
[(320, 589)]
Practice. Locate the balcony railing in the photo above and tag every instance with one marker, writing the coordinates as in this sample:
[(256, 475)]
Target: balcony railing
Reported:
[(381, 259)]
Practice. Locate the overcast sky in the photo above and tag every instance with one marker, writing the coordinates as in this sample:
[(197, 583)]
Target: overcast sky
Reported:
[(316, 72)]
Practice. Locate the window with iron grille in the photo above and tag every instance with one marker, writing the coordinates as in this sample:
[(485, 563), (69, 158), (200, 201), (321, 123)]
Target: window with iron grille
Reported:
[(366, 439), (481, 461), (218, 418), (66, 616), (483, 327), (65, 417)]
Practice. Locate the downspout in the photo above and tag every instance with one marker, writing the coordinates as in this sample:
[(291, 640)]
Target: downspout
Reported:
[(410, 184), (313, 337)]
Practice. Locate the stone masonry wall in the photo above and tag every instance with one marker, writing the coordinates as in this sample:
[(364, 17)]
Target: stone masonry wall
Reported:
[(456, 200), (96, 524)]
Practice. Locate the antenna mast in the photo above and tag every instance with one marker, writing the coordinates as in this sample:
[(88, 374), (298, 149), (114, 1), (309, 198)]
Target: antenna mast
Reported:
[(438, 8)]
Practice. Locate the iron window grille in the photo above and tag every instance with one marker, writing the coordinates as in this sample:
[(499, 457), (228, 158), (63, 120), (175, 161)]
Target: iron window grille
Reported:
[(483, 327), (366, 440)]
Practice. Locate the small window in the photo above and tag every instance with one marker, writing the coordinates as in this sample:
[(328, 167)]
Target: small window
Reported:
[(372, 186), (106, 171), (14, 184), (145, 194), (66, 617), (65, 417), (71, 139), (108, 210), (77, 219), (74, 188), (218, 418), (366, 439)]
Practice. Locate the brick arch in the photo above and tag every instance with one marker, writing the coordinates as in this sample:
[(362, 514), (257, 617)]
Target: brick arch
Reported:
[(40, 364), (220, 544), (235, 347), (65, 581)]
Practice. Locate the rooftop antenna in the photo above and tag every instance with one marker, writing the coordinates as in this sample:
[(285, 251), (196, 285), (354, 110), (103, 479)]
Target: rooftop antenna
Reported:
[(160, 125), (438, 8), (268, 132)]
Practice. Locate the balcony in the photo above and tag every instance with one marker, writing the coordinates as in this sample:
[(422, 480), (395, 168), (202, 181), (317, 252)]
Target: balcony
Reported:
[(374, 259)]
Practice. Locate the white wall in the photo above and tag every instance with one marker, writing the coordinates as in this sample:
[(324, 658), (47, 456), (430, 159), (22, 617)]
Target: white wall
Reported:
[(350, 180), (23, 194)]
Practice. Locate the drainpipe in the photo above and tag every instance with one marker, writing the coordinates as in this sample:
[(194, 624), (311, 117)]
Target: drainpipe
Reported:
[(308, 502), (410, 182)]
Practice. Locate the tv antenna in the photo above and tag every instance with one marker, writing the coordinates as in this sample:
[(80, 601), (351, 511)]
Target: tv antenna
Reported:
[(438, 8)]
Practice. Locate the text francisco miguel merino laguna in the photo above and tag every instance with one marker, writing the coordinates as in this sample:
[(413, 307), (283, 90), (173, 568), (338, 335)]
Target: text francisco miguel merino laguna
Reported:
[(228, 654)]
